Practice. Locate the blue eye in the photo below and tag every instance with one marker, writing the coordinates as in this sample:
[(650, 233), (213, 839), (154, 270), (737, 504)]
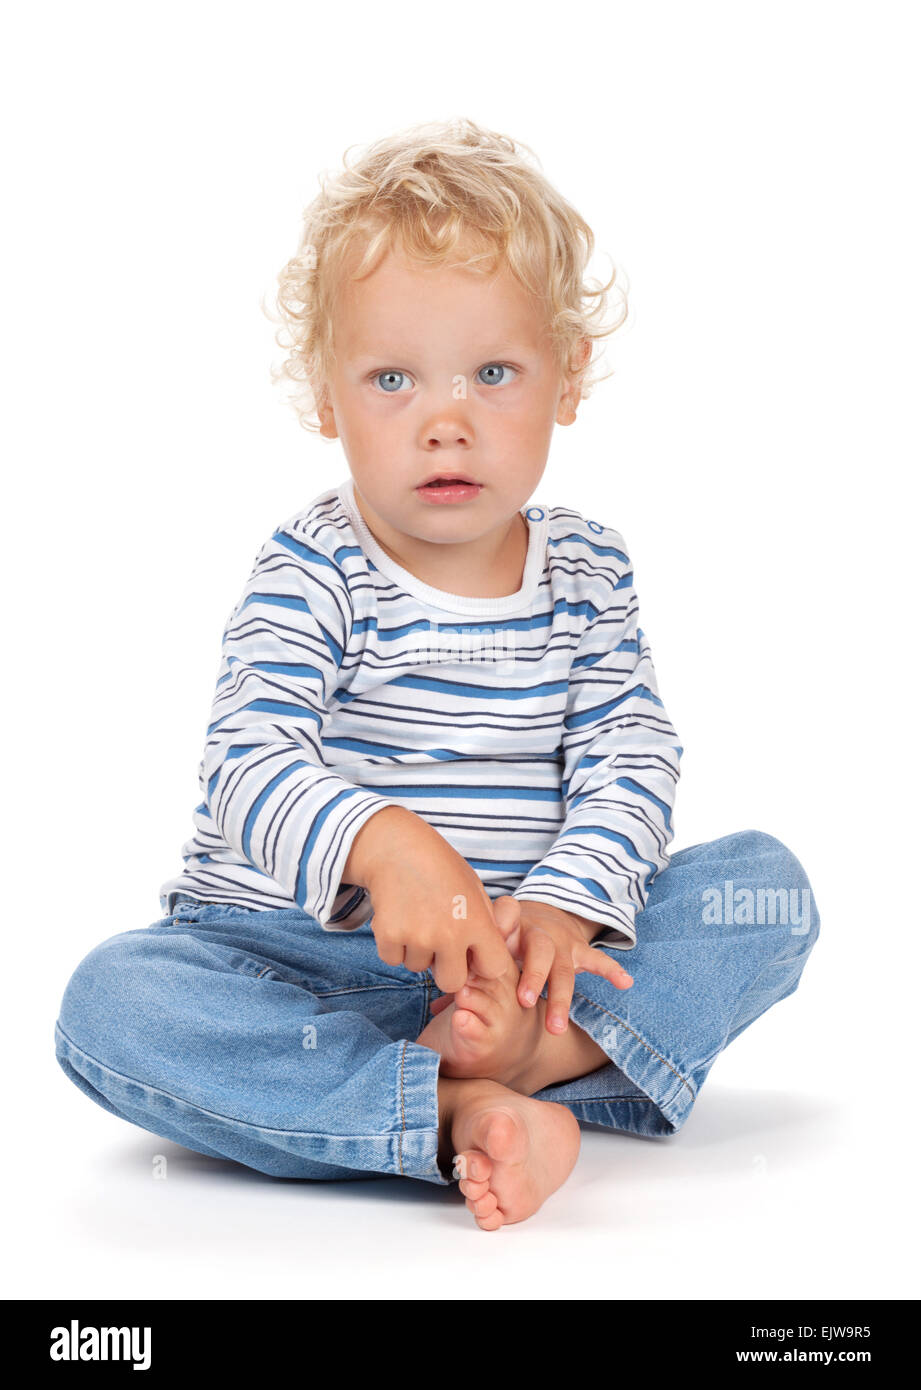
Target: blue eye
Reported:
[(391, 376), (392, 381), (495, 367)]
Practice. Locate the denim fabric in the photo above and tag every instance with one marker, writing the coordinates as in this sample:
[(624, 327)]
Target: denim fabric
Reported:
[(258, 1036)]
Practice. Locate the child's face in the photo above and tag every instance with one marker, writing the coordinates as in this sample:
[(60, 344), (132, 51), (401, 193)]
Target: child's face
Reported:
[(439, 370)]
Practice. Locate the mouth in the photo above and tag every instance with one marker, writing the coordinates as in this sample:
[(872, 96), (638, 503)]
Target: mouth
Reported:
[(444, 490), (449, 480)]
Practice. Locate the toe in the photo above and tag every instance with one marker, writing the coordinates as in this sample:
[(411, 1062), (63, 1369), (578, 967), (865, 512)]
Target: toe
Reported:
[(475, 1001), (468, 1025), (476, 1165), (473, 1190), (483, 1206), (491, 1223)]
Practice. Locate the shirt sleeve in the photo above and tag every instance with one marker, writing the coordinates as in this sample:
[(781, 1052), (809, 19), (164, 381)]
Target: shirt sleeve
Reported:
[(266, 785), (621, 764)]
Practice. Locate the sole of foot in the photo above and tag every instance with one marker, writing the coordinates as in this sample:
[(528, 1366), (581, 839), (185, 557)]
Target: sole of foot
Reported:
[(511, 1152)]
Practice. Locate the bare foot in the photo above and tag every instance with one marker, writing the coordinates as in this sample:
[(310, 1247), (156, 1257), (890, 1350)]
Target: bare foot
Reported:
[(485, 1032), (510, 1152)]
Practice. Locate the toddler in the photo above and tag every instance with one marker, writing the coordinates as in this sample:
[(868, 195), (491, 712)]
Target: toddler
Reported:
[(438, 777)]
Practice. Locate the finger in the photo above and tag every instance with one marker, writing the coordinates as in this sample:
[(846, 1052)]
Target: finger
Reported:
[(559, 995), (418, 958), (513, 944), (441, 1003), (389, 949), (539, 953), (507, 913), (450, 969), (489, 955), (586, 959)]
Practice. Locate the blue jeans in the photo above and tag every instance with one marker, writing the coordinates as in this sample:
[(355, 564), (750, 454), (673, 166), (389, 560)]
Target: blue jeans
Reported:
[(257, 1036)]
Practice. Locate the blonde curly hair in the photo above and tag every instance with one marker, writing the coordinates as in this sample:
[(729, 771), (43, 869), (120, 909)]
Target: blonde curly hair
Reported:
[(431, 191)]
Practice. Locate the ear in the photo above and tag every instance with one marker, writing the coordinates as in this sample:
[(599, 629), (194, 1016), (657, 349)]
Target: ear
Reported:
[(571, 396), (325, 413)]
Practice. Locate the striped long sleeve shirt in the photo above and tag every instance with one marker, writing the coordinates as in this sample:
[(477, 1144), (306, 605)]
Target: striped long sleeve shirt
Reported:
[(527, 729)]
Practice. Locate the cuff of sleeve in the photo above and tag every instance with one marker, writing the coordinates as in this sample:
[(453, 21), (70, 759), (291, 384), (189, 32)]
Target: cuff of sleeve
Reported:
[(347, 906), (615, 938), (616, 918)]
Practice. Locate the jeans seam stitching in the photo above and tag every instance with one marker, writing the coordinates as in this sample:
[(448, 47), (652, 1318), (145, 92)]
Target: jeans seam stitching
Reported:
[(642, 1041), (612, 1100), (402, 1106), (357, 989)]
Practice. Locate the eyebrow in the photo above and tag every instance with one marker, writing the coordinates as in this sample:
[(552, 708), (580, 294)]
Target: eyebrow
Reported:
[(491, 354)]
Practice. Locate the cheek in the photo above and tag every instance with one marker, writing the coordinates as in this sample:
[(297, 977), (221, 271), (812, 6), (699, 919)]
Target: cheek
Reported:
[(528, 419), (377, 420), (366, 429)]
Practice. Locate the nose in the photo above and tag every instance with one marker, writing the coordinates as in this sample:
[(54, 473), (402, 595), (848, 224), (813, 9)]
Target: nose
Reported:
[(446, 432)]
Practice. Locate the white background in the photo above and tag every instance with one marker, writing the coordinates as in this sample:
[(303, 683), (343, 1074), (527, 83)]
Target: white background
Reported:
[(752, 168)]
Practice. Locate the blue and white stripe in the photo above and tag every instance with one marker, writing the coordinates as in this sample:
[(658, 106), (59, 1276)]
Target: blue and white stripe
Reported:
[(528, 729)]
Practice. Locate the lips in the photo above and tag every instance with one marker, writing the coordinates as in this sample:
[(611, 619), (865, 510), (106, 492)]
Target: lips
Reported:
[(445, 491), (443, 479)]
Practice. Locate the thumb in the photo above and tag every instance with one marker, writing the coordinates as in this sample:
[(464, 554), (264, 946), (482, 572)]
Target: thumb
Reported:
[(507, 914)]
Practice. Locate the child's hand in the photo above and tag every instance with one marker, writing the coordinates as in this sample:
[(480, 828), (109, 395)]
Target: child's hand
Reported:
[(430, 906), (552, 946)]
